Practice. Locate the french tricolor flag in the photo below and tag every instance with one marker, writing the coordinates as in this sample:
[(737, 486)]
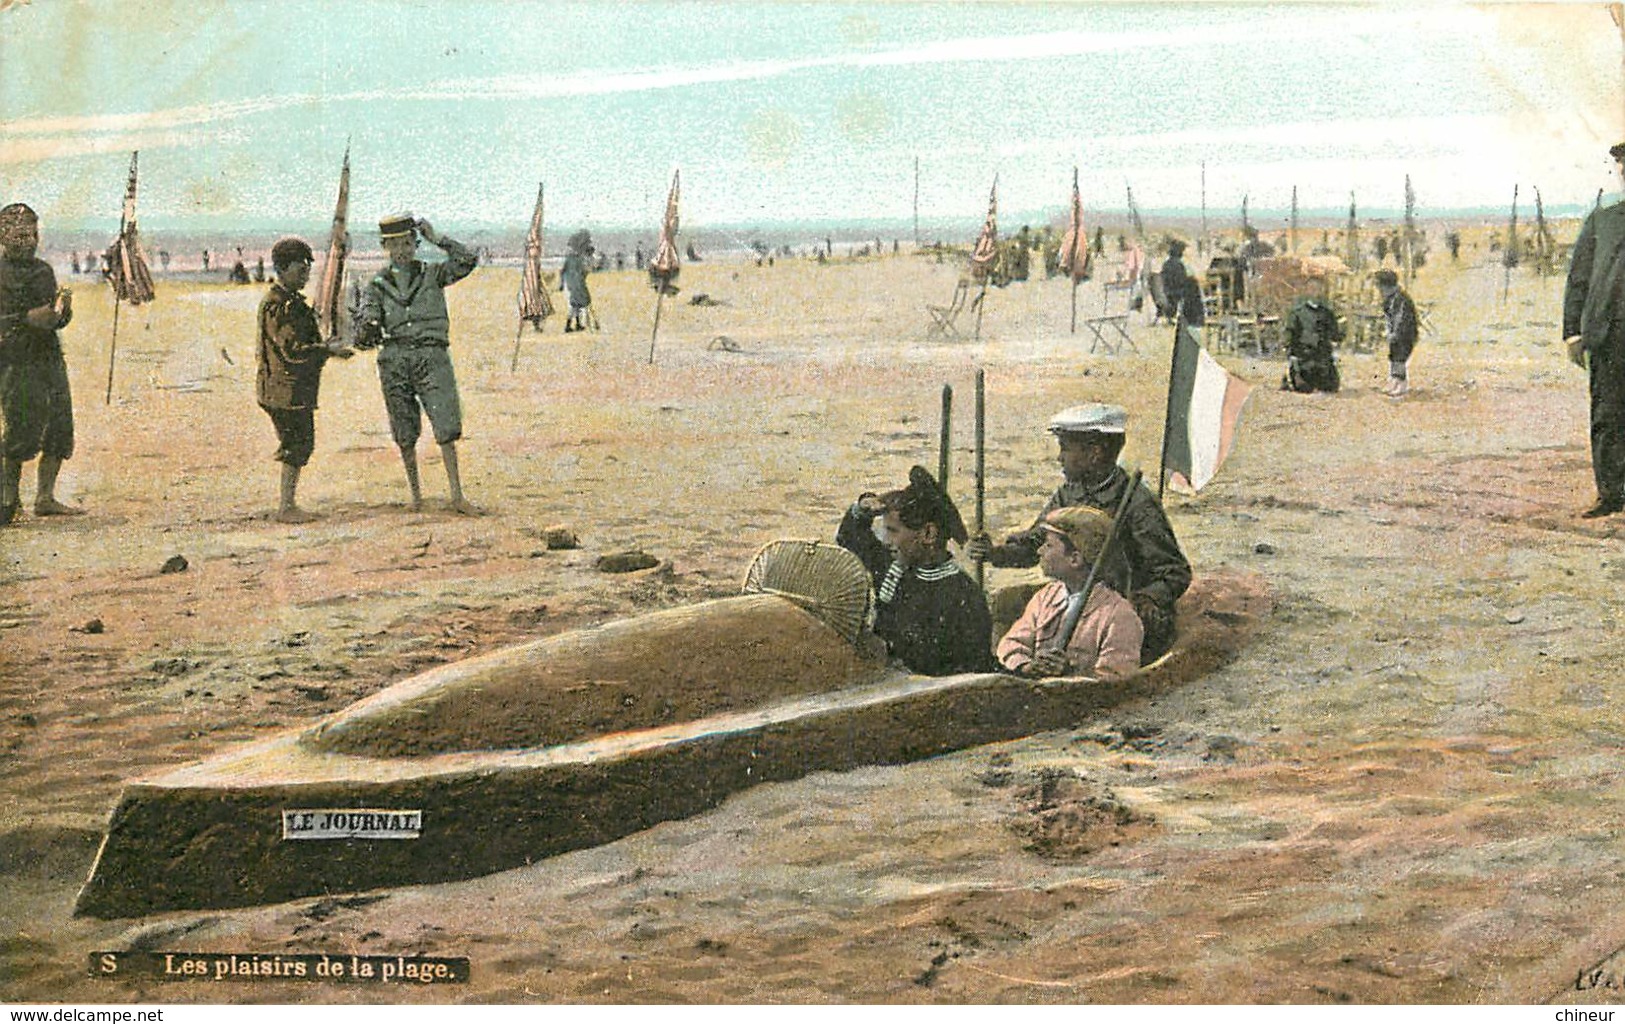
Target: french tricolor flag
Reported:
[(1204, 414)]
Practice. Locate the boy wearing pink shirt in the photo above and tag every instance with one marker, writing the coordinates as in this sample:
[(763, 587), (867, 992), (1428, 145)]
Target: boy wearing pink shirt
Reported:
[(1105, 643)]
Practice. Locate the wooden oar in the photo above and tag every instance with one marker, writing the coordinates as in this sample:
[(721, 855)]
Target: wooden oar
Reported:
[(981, 461)]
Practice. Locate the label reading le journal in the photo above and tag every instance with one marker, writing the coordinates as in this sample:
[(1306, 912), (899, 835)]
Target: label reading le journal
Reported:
[(357, 823)]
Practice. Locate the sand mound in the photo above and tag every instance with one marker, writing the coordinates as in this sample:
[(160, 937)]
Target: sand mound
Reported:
[(668, 666)]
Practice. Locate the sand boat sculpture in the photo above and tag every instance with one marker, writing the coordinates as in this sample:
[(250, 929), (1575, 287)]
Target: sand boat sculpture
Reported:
[(578, 739)]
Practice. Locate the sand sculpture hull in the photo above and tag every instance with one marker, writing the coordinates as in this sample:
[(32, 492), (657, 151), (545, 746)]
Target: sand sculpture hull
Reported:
[(423, 782)]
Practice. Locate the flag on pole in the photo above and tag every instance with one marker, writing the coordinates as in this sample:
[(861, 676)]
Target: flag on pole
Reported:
[(666, 265), (534, 303), (330, 308), (1204, 414), (1075, 244), (131, 280), (986, 252)]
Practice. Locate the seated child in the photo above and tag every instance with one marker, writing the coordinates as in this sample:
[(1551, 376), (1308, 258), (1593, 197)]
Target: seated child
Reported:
[(930, 613), (1106, 641)]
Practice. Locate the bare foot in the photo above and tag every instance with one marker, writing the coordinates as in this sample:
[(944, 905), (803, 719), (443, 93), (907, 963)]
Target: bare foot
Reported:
[(52, 507), (464, 508), (295, 515)]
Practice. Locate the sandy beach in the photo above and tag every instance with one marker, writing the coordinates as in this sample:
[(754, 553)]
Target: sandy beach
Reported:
[(1405, 790)]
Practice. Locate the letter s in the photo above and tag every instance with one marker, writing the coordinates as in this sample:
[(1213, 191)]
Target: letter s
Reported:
[(109, 963)]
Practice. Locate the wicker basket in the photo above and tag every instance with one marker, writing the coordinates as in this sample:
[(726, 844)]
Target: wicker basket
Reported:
[(826, 579)]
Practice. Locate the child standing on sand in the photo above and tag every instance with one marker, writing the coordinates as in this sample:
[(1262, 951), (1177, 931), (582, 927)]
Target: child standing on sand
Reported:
[(291, 354), (1400, 313)]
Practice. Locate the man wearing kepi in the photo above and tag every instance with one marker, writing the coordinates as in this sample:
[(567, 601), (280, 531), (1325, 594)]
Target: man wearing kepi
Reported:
[(403, 315), (1145, 563), (1594, 328), (34, 396), (931, 615), (291, 356)]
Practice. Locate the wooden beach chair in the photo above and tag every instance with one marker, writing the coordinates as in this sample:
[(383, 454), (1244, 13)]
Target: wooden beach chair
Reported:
[(945, 319), (1109, 331)]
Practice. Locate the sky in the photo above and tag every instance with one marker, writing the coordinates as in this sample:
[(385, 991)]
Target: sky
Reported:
[(794, 113)]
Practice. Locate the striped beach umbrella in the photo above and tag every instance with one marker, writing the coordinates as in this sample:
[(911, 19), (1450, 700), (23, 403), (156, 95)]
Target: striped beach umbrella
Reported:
[(330, 309)]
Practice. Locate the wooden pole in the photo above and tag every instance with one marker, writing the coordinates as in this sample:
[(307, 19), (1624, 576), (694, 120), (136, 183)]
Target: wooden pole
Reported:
[(1074, 305), (112, 352), (660, 296), (1202, 246), (514, 364), (981, 458), (1617, 13), (1168, 413), (979, 304), (944, 435), (916, 202)]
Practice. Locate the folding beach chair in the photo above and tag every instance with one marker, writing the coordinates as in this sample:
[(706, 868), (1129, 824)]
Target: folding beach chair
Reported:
[(1110, 331), (944, 319), (1424, 318)]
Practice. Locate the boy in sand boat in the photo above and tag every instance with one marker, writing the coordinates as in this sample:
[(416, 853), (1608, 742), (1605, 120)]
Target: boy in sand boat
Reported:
[(403, 315), (1106, 633), (291, 356), (1145, 564), (931, 614), (34, 397)]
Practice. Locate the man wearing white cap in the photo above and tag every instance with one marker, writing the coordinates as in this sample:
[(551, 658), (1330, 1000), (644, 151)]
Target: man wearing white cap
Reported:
[(403, 315), (1145, 563)]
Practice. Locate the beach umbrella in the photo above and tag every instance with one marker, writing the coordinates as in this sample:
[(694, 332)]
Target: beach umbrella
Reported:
[(986, 251), (534, 303), (1292, 244), (1075, 249), (666, 265), (1545, 244), (1134, 215), (330, 292), (128, 273), (1351, 247), (1509, 258), (1410, 231)]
